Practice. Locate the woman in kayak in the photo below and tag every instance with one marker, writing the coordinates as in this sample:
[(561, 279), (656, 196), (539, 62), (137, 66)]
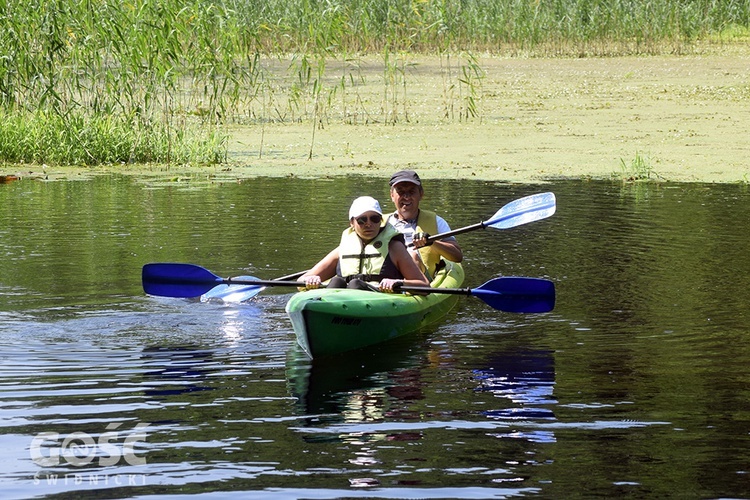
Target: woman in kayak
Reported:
[(371, 255)]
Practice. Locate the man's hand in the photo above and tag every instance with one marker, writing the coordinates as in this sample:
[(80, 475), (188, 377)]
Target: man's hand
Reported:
[(420, 240)]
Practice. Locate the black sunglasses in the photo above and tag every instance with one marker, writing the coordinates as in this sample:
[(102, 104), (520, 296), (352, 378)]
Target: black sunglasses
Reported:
[(375, 219)]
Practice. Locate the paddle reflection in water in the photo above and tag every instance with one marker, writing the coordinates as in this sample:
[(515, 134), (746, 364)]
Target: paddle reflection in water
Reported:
[(527, 379), (177, 370)]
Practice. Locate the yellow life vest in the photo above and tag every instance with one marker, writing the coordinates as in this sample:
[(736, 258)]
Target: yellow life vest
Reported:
[(357, 258), (427, 223)]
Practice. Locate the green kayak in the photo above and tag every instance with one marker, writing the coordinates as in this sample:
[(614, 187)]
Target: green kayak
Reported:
[(331, 321)]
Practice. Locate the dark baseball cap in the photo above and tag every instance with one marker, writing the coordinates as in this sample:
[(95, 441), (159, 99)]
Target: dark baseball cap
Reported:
[(405, 176)]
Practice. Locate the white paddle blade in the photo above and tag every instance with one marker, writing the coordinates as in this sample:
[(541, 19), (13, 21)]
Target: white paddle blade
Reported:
[(524, 210), (233, 293)]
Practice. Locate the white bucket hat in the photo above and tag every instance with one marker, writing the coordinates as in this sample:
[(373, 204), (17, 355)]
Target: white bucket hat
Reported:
[(364, 204)]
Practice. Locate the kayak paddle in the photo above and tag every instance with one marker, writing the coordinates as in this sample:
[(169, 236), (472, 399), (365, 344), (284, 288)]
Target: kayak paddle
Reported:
[(521, 211), (241, 293), (507, 293), (511, 294)]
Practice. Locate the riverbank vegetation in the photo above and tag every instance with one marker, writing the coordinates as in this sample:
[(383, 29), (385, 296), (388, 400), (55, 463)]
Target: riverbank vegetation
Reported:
[(103, 82)]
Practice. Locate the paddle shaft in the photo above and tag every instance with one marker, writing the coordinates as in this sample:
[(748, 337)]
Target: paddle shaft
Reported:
[(427, 289), (290, 276), (515, 213), (462, 230), (512, 294), (230, 281), (402, 288), (448, 234)]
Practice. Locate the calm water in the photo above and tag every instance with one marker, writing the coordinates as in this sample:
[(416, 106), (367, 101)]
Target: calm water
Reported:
[(637, 384)]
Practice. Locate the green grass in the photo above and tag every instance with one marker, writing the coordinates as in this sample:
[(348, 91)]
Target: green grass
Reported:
[(151, 80), (37, 138), (637, 169)]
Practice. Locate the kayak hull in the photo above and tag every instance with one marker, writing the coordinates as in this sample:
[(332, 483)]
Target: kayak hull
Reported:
[(333, 321)]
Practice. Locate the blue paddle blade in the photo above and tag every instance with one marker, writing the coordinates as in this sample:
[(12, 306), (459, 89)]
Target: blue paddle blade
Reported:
[(177, 280), (233, 293), (524, 210), (519, 295)]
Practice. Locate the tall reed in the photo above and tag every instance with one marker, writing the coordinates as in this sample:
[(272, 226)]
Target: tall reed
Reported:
[(111, 80)]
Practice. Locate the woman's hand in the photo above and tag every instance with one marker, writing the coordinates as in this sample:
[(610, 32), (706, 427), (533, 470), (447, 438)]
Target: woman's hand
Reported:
[(311, 282), (390, 286)]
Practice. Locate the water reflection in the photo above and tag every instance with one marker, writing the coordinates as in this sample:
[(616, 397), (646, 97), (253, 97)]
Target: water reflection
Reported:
[(526, 378), (378, 386), (378, 400), (171, 371), (356, 388), (636, 382)]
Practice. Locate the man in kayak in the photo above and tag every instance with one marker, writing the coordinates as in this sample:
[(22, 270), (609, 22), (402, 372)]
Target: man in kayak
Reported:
[(371, 255), (417, 224)]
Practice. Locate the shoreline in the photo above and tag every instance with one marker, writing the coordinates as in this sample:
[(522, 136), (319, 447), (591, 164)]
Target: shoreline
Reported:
[(659, 118)]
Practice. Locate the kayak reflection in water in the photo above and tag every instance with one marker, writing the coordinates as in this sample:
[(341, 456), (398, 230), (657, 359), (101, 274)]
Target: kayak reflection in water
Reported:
[(372, 255)]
